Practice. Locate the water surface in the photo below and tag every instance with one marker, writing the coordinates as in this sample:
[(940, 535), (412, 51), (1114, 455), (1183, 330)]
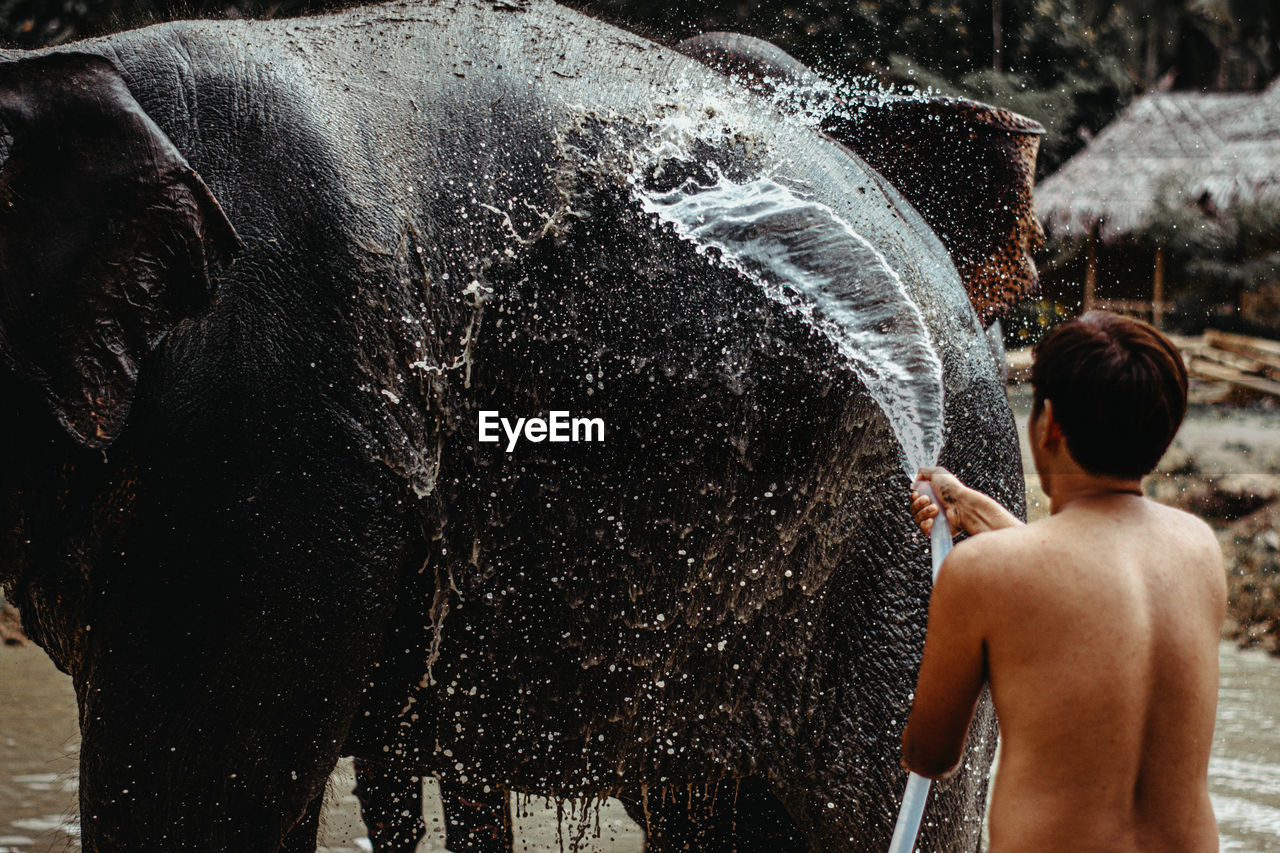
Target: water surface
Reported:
[(1244, 771), (39, 751)]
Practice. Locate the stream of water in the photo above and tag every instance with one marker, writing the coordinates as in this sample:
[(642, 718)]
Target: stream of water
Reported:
[(803, 255)]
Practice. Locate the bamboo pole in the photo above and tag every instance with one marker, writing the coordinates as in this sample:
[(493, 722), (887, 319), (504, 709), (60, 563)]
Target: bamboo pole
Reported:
[(996, 35), (1157, 290), (1090, 273)]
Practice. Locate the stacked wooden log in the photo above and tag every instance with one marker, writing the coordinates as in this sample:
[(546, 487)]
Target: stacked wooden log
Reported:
[(1228, 367), (1249, 367), (1018, 364)]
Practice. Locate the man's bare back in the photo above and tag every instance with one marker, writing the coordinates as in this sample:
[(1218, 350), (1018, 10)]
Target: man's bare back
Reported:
[(1101, 631), (1097, 630)]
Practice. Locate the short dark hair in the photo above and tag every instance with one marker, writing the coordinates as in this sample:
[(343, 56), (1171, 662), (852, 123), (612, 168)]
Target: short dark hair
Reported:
[(1119, 391)]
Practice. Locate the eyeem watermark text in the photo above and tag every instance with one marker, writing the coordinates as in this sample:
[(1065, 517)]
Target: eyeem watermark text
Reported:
[(556, 426)]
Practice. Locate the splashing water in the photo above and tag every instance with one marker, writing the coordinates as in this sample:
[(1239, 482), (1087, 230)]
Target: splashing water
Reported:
[(803, 255)]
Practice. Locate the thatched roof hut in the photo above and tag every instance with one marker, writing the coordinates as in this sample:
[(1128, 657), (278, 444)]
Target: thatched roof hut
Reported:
[(1212, 149), (1215, 148)]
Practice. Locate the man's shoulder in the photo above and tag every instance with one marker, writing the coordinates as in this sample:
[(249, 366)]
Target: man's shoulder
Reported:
[(1195, 541), (990, 575), (1192, 526)]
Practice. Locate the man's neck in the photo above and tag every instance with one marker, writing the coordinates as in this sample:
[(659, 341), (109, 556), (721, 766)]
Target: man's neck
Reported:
[(1066, 488)]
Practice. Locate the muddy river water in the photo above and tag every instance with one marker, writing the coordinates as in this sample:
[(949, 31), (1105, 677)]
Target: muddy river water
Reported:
[(38, 754)]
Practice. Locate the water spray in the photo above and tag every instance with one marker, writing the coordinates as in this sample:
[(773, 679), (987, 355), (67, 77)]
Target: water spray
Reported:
[(803, 255), (913, 800)]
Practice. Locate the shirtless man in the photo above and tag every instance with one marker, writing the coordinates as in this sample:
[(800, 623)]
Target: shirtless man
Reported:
[(1096, 628)]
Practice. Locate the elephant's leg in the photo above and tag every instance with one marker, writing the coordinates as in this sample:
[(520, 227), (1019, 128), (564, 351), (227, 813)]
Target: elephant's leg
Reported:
[(391, 806), (214, 722), (302, 838), (672, 824), (736, 817), (760, 823), (476, 820), (152, 786)]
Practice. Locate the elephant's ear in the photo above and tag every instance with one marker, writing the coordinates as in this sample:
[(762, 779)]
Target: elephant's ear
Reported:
[(966, 167), (108, 238), (969, 169)]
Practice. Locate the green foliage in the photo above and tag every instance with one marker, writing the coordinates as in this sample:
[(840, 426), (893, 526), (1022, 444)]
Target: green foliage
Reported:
[(1031, 320), (1215, 257), (1045, 42)]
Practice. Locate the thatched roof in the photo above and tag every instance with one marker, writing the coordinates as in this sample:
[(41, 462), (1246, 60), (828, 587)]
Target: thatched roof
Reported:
[(1215, 148)]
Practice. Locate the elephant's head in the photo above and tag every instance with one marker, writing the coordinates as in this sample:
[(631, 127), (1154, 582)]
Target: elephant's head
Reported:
[(967, 167), (108, 238)]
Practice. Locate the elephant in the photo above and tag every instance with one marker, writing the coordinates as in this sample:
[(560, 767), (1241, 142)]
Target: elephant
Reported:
[(968, 168), (263, 283)]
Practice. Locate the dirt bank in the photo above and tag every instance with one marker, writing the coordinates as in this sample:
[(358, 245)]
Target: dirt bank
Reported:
[(10, 624)]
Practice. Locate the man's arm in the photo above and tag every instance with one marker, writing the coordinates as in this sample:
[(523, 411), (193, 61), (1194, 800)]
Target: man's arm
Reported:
[(953, 669)]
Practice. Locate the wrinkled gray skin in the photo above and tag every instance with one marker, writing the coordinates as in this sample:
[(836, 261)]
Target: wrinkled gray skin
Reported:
[(294, 547)]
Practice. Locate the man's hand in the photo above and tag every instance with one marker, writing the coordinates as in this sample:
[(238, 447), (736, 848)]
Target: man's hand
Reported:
[(968, 510)]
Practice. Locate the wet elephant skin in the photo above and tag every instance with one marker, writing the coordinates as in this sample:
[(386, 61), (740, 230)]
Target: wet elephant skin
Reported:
[(258, 281)]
